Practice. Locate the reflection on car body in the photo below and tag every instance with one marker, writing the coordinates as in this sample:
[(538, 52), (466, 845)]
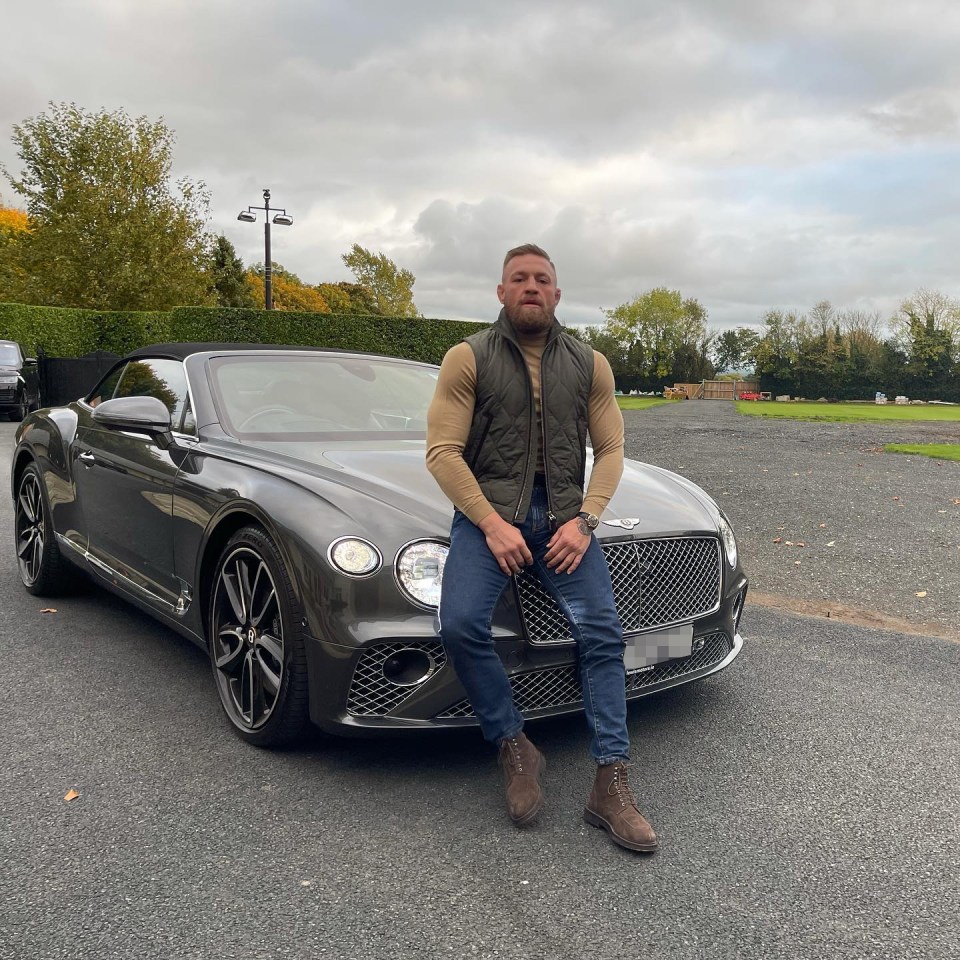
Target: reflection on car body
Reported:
[(272, 504)]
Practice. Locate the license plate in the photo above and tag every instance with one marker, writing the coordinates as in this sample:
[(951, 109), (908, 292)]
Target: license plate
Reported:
[(646, 649)]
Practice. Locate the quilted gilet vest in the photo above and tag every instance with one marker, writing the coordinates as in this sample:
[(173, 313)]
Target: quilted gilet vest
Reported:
[(501, 447)]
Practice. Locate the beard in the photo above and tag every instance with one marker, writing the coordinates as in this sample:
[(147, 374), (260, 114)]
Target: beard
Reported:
[(529, 318)]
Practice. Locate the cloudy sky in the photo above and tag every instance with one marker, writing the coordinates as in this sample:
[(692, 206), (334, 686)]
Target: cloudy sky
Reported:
[(750, 153)]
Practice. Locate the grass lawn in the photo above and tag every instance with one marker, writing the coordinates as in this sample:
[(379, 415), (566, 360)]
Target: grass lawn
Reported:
[(940, 451), (641, 403), (847, 412)]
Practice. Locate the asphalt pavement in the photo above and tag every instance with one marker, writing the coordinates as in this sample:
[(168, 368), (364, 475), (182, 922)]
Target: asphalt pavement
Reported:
[(825, 519), (805, 799)]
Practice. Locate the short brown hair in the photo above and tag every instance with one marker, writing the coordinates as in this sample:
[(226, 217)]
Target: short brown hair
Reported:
[(528, 248)]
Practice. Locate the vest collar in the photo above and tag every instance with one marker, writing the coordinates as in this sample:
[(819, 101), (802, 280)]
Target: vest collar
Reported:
[(505, 328)]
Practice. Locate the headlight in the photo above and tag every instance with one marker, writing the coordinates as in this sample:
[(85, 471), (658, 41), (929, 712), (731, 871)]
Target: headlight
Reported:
[(729, 541), (420, 571), (354, 557)]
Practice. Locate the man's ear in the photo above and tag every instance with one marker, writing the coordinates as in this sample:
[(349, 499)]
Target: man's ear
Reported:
[(556, 297), (500, 292)]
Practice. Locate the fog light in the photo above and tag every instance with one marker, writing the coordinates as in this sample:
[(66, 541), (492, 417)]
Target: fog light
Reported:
[(408, 667)]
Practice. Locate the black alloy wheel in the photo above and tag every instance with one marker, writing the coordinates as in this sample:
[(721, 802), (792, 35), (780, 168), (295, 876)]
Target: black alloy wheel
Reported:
[(38, 556), (256, 646)]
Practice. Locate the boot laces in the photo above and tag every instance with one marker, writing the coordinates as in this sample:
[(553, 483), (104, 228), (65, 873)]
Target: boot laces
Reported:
[(620, 786), (513, 753)]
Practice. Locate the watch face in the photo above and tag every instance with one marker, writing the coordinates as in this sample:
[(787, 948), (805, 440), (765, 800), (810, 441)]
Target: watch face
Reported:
[(591, 521)]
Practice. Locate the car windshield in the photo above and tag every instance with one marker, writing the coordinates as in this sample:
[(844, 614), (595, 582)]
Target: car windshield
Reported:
[(9, 355), (298, 397)]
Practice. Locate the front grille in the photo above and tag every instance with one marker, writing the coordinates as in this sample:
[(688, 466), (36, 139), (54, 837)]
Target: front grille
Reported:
[(560, 686), (374, 695), (656, 583), (8, 394)]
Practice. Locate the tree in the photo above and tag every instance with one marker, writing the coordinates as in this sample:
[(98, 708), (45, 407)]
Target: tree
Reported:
[(108, 230), (391, 287), (733, 349), (927, 327), (288, 290), (653, 327), (229, 276), (14, 226), (348, 298)]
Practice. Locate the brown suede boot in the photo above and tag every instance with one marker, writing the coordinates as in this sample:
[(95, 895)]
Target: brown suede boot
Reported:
[(613, 808), (522, 766)]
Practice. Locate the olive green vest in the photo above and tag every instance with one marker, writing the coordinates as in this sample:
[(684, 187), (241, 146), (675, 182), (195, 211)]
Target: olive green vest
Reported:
[(501, 448)]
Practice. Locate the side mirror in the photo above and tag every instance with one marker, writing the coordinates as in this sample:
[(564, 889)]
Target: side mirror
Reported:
[(30, 360), (142, 414)]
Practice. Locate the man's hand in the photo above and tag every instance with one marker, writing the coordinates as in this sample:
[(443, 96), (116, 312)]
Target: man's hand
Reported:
[(568, 545), (506, 543)]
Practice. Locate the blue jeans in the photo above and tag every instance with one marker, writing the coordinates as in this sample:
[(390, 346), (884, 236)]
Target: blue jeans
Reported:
[(472, 585)]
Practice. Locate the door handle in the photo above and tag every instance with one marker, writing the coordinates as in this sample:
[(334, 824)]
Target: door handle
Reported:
[(86, 457)]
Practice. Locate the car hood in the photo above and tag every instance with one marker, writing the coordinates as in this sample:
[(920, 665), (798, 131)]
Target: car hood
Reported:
[(648, 501)]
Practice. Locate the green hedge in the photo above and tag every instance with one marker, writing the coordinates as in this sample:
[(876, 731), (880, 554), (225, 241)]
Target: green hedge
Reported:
[(64, 332), (67, 332)]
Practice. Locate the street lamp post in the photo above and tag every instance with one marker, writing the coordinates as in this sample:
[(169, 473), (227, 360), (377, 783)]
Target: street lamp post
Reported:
[(281, 218)]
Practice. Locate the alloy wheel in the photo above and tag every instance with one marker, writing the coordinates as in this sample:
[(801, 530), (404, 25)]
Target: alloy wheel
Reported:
[(30, 528), (247, 638)]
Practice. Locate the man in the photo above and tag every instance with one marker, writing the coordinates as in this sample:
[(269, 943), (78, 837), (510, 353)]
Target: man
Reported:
[(506, 441)]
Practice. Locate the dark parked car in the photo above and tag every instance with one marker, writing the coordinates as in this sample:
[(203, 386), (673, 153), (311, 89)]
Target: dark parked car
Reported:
[(19, 384), (272, 504)]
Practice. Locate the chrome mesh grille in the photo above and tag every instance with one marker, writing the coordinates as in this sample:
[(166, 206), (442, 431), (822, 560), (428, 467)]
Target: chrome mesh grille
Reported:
[(656, 583), (560, 686), (371, 693)]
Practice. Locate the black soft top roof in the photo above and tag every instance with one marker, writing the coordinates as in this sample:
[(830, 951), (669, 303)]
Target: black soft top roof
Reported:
[(180, 351)]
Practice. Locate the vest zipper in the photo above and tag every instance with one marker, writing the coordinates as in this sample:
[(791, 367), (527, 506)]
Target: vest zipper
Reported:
[(551, 516), (530, 415)]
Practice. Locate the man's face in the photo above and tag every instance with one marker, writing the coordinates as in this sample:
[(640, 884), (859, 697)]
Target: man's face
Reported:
[(529, 293)]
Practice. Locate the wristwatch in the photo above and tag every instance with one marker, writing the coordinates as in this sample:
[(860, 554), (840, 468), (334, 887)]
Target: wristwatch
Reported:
[(589, 519)]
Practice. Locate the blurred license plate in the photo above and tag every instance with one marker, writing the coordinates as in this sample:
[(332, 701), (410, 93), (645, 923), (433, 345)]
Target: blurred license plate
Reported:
[(646, 649)]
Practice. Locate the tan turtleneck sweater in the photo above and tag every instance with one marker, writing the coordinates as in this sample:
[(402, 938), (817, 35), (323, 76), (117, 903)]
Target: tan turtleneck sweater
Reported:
[(451, 413)]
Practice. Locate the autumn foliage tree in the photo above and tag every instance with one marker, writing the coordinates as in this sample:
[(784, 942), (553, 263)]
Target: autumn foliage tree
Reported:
[(288, 291), (14, 227), (108, 229), (390, 287)]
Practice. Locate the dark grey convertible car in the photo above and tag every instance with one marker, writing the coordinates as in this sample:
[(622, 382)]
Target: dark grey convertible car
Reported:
[(272, 504)]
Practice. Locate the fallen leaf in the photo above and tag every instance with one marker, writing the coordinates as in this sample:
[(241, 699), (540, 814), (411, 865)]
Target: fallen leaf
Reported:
[(799, 543), (822, 525), (49, 610), (796, 563), (921, 593), (71, 794), (956, 500), (778, 539), (831, 543), (789, 543), (895, 498)]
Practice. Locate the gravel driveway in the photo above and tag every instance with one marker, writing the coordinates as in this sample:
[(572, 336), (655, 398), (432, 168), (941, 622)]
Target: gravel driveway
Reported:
[(827, 522)]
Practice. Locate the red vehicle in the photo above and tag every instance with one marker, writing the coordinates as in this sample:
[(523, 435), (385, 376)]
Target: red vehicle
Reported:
[(753, 395)]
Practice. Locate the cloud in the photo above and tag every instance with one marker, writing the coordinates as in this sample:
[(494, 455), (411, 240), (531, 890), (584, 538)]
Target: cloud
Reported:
[(751, 154)]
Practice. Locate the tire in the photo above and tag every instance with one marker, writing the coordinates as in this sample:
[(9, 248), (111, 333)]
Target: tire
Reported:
[(255, 640), (42, 569)]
